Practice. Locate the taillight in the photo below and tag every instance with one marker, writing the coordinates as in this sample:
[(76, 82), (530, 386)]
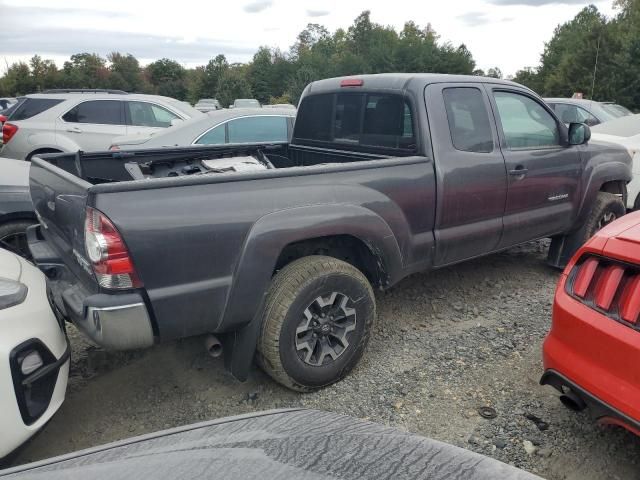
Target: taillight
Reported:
[(609, 286), (114, 148), (351, 82), (8, 131), (108, 254)]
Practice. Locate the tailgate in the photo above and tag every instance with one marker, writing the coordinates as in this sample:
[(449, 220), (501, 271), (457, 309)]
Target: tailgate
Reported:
[(60, 200)]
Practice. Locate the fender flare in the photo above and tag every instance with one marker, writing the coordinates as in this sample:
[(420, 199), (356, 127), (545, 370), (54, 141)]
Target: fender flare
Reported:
[(263, 245), (601, 174)]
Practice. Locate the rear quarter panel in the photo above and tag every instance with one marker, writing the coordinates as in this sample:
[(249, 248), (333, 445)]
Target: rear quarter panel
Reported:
[(188, 241)]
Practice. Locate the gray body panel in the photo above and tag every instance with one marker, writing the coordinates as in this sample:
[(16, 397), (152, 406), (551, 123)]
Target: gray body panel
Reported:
[(294, 444), (206, 247), (15, 200)]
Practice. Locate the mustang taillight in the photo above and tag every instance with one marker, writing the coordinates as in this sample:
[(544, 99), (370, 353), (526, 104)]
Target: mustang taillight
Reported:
[(608, 286), (110, 259)]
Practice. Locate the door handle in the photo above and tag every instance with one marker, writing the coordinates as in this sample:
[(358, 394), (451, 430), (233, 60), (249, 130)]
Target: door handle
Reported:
[(74, 130), (519, 171)]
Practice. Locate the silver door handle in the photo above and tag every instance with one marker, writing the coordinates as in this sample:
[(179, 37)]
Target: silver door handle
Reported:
[(74, 130)]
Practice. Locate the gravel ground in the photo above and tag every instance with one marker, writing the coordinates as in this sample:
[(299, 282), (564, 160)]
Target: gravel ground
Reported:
[(446, 344)]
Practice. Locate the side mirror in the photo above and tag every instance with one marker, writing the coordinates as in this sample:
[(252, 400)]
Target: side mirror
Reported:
[(579, 133), (176, 121), (2, 119)]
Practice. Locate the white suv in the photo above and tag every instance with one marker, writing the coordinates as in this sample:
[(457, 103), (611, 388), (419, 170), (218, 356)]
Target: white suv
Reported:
[(72, 120)]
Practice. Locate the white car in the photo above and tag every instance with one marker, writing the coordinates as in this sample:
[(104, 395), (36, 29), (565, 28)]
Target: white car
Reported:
[(624, 131), (34, 353), (72, 120)]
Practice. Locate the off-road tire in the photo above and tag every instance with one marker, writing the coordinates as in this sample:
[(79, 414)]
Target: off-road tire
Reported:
[(605, 203), (292, 291)]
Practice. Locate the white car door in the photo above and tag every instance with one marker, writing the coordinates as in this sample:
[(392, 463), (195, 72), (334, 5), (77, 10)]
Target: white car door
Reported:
[(146, 118), (93, 124)]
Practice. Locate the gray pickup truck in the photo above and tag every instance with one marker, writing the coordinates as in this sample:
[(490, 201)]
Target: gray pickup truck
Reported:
[(275, 250)]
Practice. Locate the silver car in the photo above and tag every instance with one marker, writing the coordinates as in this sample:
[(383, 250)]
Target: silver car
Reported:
[(207, 105), (72, 120), (577, 110), (217, 128)]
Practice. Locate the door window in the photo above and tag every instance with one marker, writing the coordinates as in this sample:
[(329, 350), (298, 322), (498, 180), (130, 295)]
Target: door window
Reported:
[(258, 129), (103, 112), (143, 114), (525, 123), (574, 114), (468, 120), (215, 136)]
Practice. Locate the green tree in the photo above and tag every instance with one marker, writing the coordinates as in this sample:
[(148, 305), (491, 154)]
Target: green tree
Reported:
[(168, 78), (125, 72), (233, 84)]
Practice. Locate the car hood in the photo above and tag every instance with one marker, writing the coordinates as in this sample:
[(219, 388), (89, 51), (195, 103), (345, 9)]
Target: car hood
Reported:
[(292, 444), (15, 173), (10, 266)]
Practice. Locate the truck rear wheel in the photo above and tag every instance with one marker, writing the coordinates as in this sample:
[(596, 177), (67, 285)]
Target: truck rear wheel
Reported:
[(316, 323)]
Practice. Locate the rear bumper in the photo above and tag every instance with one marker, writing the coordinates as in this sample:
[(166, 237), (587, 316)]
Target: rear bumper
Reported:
[(116, 321), (596, 357), (599, 409)]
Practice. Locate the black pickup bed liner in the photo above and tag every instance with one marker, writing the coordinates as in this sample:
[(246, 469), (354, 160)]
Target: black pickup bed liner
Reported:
[(120, 166)]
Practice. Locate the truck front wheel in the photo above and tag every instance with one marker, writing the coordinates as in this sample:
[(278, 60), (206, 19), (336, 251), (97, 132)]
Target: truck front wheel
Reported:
[(317, 320)]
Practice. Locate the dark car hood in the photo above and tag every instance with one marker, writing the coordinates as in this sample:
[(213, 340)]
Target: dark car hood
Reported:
[(289, 444)]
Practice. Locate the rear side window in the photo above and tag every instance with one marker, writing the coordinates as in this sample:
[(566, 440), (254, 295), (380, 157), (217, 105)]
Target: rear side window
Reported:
[(31, 107), (468, 120), (103, 112), (357, 119), (215, 136), (143, 114), (258, 129)]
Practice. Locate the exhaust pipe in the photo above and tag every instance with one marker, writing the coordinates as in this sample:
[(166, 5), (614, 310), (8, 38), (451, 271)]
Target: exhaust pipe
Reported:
[(213, 346), (572, 401)]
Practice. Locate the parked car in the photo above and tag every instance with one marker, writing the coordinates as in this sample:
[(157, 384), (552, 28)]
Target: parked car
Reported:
[(34, 353), (278, 247), (590, 112), (280, 105), (70, 120), (245, 103), (625, 131), (207, 105), (218, 128), (593, 347), (6, 102), (278, 444), (16, 210)]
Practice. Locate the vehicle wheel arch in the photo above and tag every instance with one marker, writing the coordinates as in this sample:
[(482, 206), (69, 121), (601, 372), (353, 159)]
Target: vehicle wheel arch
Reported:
[(42, 151), (266, 245)]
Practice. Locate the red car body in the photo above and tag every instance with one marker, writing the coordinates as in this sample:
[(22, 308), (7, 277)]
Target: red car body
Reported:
[(592, 353)]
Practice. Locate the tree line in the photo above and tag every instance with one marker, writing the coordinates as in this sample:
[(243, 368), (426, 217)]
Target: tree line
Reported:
[(594, 55), (273, 76)]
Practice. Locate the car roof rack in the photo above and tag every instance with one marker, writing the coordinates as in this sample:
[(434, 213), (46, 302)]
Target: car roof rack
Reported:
[(85, 90)]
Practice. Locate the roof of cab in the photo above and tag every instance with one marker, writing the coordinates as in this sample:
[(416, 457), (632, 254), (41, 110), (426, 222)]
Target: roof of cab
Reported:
[(401, 81)]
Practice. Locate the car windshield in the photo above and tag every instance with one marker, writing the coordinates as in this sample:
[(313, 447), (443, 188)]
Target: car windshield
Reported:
[(246, 103), (628, 126)]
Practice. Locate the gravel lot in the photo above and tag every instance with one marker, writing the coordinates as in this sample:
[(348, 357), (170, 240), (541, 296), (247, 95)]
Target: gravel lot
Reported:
[(446, 344)]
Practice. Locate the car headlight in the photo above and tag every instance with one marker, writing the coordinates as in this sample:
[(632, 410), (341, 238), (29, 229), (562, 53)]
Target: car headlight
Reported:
[(11, 293)]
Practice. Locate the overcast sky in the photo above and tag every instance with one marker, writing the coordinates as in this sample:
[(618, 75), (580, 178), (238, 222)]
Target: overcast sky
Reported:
[(509, 34)]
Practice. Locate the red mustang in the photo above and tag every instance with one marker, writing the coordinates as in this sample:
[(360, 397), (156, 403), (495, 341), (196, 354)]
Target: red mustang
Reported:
[(592, 353)]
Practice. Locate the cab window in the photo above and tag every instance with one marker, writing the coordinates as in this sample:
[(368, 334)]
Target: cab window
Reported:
[(526, 124)]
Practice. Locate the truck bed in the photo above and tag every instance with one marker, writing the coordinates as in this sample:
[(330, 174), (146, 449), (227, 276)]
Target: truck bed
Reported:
[(116, 166)]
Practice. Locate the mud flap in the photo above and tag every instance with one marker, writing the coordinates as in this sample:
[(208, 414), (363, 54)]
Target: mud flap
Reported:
[(240, 348), (562, 249)]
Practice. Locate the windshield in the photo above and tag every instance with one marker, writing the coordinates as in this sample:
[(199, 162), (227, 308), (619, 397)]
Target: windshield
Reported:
[(246, 103), (627, 126)]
